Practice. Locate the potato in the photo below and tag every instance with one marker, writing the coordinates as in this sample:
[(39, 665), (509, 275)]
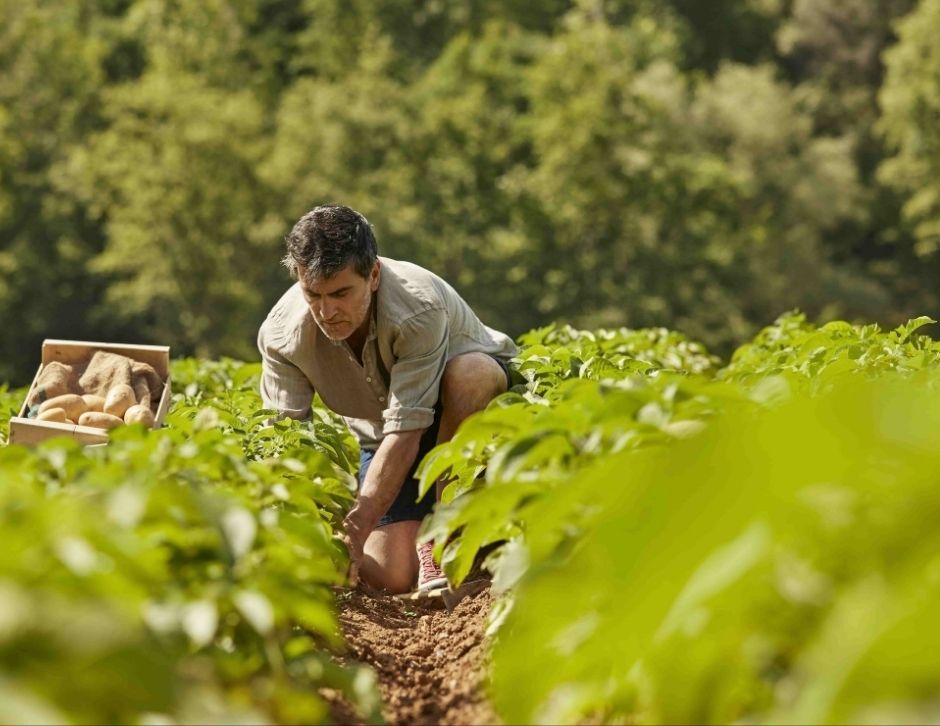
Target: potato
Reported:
[(99, 420), (119, 399), (53, 414), (73, 404), (139, 414), (93, 402)]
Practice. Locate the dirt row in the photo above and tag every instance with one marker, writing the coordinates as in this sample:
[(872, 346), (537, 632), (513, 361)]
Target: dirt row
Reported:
[(430, 662)]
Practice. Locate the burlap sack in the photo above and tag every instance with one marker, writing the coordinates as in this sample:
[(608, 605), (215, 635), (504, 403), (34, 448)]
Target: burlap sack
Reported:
[(54, 379), (146, 383), (103, 372)]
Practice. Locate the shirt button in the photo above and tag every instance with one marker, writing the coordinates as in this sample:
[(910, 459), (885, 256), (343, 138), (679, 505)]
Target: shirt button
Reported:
[(382, 399), (368, 379)]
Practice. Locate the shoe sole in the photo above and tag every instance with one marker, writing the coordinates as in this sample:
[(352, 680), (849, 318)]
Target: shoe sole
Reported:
[(445, 597), (437, 583)]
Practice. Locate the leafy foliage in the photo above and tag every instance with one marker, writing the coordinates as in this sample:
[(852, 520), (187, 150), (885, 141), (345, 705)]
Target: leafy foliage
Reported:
[(611, 163), (553, 354), (184, 572), (794, 348), (143, 178), (10, 403), (724, 527), (911, 100), (771, 569), (760, 533)]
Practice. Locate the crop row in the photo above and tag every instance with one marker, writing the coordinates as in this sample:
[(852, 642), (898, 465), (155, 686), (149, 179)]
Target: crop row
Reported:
[(680, 542), (672, 539), (181, 575)]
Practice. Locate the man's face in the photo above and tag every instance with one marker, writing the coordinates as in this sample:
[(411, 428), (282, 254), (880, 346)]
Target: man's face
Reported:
[(340, 304)]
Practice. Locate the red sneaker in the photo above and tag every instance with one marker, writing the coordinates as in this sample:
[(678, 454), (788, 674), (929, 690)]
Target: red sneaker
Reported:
[(430, 576)]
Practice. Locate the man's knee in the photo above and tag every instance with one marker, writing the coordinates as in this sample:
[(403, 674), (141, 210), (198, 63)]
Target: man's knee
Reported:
[(472, 379), (389, 561), (393, 580)]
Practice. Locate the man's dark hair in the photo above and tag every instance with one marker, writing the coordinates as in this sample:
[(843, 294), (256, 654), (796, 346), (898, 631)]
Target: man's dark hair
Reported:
[(326, 239)]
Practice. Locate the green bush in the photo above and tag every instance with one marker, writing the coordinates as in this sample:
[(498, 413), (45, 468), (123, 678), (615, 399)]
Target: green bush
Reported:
[(688, 543), (181, 574), (674, 540)]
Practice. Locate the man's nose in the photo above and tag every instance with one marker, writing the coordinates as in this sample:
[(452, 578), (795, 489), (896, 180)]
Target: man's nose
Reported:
[(327, 309)]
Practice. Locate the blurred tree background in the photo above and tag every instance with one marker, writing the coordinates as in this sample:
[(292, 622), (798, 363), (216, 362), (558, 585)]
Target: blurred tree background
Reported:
[(702, 166)]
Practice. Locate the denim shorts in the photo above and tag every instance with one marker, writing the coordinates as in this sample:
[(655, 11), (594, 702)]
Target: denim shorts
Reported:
[(407, 507)]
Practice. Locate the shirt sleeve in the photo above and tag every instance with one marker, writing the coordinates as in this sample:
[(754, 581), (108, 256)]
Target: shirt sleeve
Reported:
[(284, 387), (415, 378)]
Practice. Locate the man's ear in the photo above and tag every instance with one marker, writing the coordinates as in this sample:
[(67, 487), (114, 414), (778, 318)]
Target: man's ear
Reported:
[(375, 276)]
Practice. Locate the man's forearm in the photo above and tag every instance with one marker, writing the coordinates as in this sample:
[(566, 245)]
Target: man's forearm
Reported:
[(391, 463)]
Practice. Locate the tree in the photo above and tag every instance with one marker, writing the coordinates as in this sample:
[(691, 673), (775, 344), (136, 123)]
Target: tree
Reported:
[(51, 55), (468, 139), (664, 201), (910, 100), (173, 180), (341, 140)]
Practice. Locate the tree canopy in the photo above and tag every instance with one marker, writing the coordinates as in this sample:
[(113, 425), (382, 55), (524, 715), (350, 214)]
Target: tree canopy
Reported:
[(620, 162)]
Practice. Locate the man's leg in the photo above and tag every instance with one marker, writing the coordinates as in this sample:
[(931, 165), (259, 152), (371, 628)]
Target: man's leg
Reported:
[(469, 383), (390, 562)]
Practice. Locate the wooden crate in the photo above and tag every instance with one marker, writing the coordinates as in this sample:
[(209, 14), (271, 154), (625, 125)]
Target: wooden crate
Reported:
[(29, 431)]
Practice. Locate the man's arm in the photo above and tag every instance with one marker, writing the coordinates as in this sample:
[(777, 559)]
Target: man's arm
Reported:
[(284, 387), (390, 465), (420, 350)]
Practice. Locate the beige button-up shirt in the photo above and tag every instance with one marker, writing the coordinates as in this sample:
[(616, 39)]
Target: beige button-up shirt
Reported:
[(418, 323)]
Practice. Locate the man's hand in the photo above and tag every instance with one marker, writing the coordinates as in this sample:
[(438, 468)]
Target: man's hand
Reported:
[(355, 540), (394, 457)]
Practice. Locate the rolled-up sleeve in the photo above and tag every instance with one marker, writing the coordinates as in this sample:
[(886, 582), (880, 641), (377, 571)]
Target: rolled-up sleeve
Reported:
[(284, 387), (415, 378)]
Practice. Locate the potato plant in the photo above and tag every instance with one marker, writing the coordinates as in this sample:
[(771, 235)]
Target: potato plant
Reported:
[(701, 544), (677, 540), (180, 575)]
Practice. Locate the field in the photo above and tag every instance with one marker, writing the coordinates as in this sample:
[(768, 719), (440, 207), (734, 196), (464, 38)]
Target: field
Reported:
[(670, 538)]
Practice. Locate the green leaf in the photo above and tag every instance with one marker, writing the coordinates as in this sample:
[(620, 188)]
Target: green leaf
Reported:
[(240, 528), (200, 620), (256, 609), (904, 332)]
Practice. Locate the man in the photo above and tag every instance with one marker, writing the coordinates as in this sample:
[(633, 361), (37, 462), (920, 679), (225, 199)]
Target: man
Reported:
[(398, 353)]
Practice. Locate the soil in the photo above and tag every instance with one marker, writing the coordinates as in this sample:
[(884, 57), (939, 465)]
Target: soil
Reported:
[(430, 662)]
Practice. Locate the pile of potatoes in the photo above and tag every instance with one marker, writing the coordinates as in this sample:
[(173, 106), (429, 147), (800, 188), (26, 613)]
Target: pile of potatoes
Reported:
[(117, 408)]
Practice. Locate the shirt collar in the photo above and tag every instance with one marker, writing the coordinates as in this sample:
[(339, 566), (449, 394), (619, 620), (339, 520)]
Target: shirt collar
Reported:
[(373, 314)]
